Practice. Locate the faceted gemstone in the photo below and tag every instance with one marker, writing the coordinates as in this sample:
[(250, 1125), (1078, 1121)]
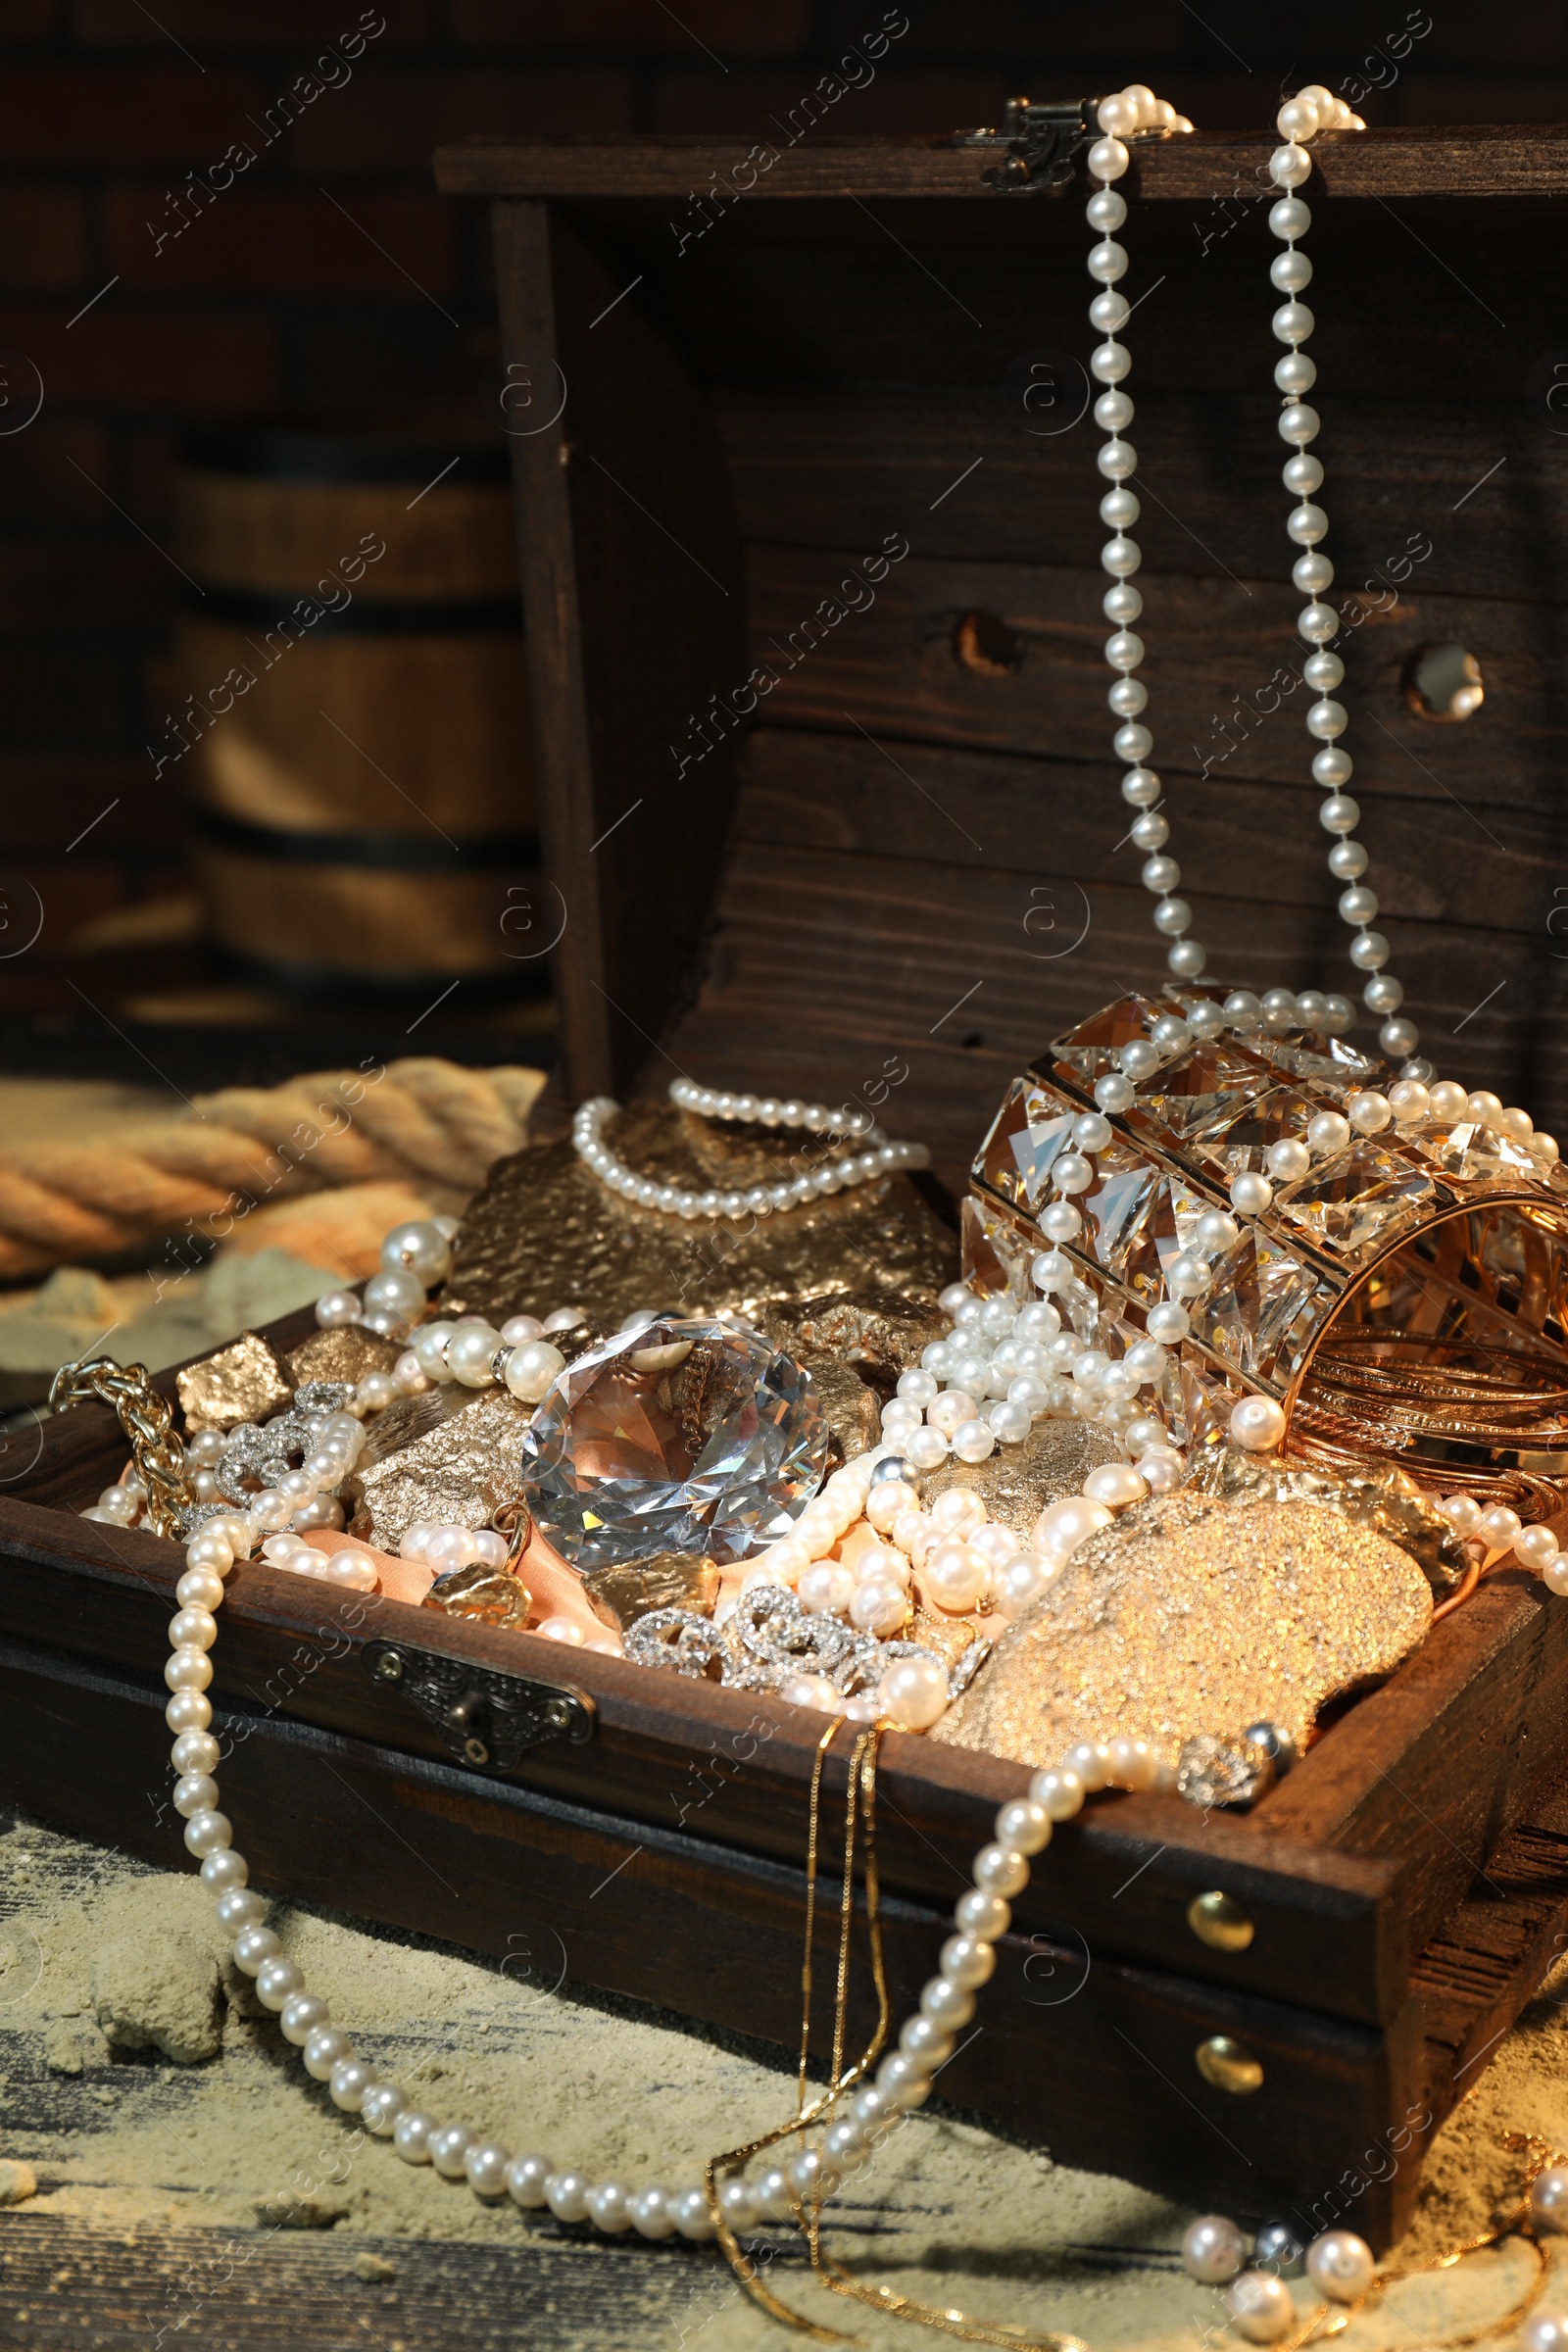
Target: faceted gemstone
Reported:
[(1359, 1198), (1088, 1051), (1262, 1304), (1188, 1099), (1117, 1206), (1026, 1137), (1165, 1228), (1243, 1143), (997, 1251), (1325, 1061), (695, 1435), (1473, 1151)]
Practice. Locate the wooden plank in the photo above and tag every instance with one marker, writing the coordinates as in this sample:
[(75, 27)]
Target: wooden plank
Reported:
[(1109, 2079), (1484, 161), (893, 669), (1489, 1685), (838, 466), (731, 1769), (932, 962), (848, 795), (622, 510)]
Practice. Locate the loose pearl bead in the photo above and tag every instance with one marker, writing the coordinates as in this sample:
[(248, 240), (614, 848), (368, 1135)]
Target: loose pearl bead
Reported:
[(1023, 1826), (1132, 1764), (918, 2036), (194, 1751), (1115, 1483), (1288, 1161), (348, 2083), (913, 1693), (1462, 1512), (1252, 1194), (255, 1946), (211, 1552), (326, 2049), (981, 1914), (1261, 2304), (196, 1793), (1339, 2266), (947, 2004), (532, 1368), (1059, 1791), (300, 2016), (1535, 1547), (420, 1249), (199, 1588), (448, 2148), (652, 2212), (224, 1871), (1257, 1424), (1548, 2199), (410, 2136), (1213, 2249), (471, 1355), (188, 1669), (192, 1629), (1001, 1870), (526, 2176), (1108, 159), (737, 2201), (1329, 1131), (774, 2200), (1500, 1526), (381, 2108), (1544, 2331), (240, 1910), (1167, 1322), (188, 1711), (276, 1980), (335, 1307)]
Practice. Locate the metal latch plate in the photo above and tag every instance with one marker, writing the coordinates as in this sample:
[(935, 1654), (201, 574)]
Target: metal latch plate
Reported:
[(489, 1720)]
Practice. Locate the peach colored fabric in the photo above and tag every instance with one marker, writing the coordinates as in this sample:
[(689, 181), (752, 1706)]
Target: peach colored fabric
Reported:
[(555, 1590)]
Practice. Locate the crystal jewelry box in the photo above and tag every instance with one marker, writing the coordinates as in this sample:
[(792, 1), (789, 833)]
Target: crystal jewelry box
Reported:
[(773, 416)]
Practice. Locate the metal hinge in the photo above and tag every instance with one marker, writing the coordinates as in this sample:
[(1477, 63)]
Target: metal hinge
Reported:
[(1042, 144), (489, 1720)]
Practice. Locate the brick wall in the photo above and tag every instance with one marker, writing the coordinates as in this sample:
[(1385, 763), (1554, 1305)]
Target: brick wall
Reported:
[(331, 277)]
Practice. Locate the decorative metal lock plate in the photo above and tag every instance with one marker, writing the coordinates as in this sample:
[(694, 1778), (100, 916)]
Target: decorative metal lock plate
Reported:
[(1040, 144), (488, 1719)]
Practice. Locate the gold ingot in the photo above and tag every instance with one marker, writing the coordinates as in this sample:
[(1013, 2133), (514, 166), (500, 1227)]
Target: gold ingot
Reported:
[(1218, 1919), (242, 1383), (1228, 2066)]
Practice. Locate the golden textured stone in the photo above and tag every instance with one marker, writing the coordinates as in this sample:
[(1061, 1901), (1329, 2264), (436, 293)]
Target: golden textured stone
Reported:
[(671, 1580), (545, 1233), (1016, 1481), (342, 1352), (489, 1596), (853, 1411), (1381, 1497), (867, 1327), (244, 1382), (455, 1474), (1188, 1616)]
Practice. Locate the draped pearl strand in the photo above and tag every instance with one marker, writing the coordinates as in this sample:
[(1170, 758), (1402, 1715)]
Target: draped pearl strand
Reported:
[(1311, 110), (880, 1158), (1130, 113)]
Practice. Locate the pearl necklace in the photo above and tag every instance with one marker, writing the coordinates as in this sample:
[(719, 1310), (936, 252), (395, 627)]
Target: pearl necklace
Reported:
[(881, 1157)]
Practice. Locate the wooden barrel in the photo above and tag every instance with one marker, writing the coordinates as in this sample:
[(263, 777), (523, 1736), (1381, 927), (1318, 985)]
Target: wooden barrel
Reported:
[(351, 732)]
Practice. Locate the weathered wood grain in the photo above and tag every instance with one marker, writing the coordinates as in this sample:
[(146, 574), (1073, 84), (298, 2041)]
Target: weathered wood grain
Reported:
[(1212, 644), (837, 465), (623, 507), (424, 1847), (1482, 160)]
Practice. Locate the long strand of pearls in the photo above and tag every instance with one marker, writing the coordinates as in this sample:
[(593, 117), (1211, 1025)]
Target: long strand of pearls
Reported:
[(880, 1158), (1311, 110), (1126, 115)]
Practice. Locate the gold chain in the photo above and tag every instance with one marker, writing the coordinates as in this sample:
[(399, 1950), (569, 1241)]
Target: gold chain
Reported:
[(147, 1420)]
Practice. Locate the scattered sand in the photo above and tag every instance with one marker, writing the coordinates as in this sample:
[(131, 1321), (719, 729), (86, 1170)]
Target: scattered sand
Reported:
[(112, 1993)]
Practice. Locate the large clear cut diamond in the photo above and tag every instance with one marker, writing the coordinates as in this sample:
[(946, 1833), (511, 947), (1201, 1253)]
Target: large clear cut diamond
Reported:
[(692, 1436)]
